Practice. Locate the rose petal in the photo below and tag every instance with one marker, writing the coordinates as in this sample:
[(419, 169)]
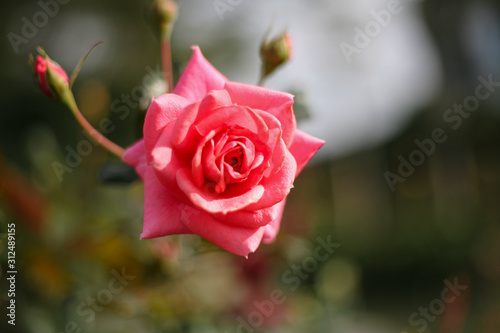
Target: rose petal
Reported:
[(277, 103), (233, 116), (161, 112), (180, 139), (196, 164), (166, 162), (239, 188), (214, 203), (258, 218), (275, 143), (214, 100), (163, 154), (237, 240), (211, 170), (162, 211), (182, 136), (198, 78), (303, 148), (135, 156), (275, 131), (271, 230), (276, 187)]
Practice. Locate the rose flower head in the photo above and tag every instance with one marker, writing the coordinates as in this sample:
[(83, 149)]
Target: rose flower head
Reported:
[(218, 159)]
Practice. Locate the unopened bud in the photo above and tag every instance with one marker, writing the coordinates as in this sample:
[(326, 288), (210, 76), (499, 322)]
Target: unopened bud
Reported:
[(52, 79), (275, 53), (165, 15)]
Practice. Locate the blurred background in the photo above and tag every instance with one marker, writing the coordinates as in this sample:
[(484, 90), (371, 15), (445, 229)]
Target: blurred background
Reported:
[(407, 185)]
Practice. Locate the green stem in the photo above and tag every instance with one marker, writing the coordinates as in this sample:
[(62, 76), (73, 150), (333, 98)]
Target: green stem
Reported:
[(166, 59), (261, 81), (262, 78), (70, 102)]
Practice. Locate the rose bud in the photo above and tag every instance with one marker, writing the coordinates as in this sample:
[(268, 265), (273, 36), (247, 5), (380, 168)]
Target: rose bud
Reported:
[(276, 52), (165, 15), (52, 79)]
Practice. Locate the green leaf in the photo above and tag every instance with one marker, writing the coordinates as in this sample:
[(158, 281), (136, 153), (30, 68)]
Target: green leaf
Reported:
[(80, 64)]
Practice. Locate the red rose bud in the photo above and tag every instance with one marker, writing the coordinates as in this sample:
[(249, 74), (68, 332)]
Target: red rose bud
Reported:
[(165, 15), (52, 79), (275, 53)]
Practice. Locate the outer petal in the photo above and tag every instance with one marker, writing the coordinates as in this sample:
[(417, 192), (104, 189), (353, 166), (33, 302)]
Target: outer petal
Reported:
[(198, 78), (162, 211), (238, 240), (277, 103), (135, 156), (166, 162), (161, 112), (303, 148), (271, 230)]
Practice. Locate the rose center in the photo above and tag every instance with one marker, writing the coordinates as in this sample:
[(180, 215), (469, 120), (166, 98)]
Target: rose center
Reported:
[(235, 159)]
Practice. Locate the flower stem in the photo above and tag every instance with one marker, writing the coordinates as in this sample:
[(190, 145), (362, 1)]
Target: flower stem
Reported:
[(112, 147), (262, 79), (166, 59)]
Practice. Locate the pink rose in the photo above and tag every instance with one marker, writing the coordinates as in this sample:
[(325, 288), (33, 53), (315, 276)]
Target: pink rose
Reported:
[(40, 70), (218, 159)]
